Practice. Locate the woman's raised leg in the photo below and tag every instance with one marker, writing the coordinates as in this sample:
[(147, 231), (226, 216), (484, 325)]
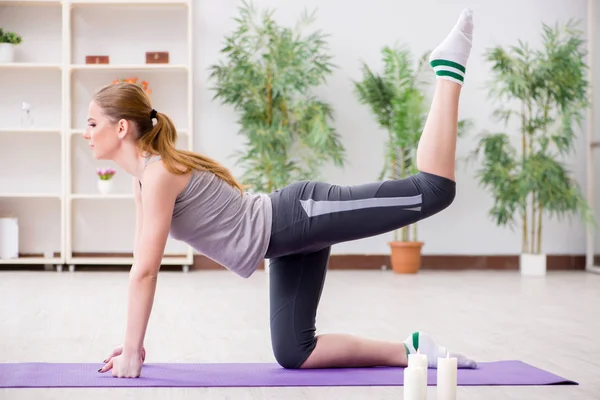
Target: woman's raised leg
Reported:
[(297, 279), (436, 152)]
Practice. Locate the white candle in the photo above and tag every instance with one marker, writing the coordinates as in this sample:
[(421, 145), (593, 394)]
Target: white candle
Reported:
[(417, 360), (415, 377), (415, 383), (446, 378)]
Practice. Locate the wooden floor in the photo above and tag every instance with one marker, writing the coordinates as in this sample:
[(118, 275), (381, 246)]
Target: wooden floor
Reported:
[(213, 316)]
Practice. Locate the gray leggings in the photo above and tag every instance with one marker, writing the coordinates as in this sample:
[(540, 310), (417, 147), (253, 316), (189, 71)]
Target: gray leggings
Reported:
[(308, 218)]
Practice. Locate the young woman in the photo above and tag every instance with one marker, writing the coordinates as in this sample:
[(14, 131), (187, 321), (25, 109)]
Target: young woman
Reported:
[(198, 201)]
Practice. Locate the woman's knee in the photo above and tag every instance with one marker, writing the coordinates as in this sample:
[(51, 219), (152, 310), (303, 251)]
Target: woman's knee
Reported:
[(438, 192), (288, 352)]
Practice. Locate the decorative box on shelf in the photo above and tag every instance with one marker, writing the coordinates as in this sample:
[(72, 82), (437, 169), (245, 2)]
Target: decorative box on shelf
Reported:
[(97, 59), (9, 238), (157, 57)]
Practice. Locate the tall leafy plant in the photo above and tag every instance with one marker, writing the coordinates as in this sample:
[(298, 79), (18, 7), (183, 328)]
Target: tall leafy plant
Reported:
[(397, 98), (269, 75), (545, 92)]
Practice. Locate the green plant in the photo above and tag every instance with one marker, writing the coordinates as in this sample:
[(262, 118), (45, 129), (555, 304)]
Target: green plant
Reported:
[(9, 37), (545, 92), (268, 76), (397, 99)]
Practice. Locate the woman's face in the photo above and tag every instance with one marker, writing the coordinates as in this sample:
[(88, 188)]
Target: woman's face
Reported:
[(103, 135)]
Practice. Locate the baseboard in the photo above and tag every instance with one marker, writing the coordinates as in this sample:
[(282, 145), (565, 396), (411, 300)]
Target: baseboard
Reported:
[(555, 262)]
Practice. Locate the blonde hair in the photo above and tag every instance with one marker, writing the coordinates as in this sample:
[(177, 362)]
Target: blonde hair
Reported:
[(128, 101)]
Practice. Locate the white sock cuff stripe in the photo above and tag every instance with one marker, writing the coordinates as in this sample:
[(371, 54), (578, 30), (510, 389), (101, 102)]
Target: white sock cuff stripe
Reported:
[(449, 69), (450, 78)]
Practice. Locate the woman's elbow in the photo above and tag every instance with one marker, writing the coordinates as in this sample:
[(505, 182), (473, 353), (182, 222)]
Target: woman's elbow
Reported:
[(143, 273)]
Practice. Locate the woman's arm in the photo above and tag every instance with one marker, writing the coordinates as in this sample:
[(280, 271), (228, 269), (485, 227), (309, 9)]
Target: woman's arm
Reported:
[(138, 215), (158, 195)]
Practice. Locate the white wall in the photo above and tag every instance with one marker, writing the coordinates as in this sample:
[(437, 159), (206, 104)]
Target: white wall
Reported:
[(359, 30)]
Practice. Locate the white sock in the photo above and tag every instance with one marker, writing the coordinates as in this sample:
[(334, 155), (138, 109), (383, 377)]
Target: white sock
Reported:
[(426, 345), (449, 59)]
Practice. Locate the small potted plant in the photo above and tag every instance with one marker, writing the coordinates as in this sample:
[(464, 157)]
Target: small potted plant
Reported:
[(105, 182), (8, 41)]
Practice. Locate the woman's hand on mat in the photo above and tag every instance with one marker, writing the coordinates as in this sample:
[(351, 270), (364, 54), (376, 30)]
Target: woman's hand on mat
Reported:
[(119, 350), (124, 365)]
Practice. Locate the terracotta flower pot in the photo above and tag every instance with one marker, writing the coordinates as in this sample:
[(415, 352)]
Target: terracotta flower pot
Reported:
[(406, 257)]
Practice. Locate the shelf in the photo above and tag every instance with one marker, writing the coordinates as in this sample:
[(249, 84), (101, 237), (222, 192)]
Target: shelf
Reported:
[(91, 196), (177, 260), (130, 2), (33, 130), (31, 260), (30, 2), (41, 88), (30, 195), (128, 67), (31, 65), (82, 131)]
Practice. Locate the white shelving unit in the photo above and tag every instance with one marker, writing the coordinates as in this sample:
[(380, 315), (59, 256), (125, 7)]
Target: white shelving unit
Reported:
[(56, 177)]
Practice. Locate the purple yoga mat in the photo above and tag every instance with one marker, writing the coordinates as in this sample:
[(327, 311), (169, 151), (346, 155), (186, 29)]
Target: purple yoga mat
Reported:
[(31, 375)]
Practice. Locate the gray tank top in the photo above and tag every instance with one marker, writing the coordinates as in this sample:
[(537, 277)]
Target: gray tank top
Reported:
[(230, 228)]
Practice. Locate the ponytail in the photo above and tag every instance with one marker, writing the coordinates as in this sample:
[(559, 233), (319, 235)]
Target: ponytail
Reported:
[(162, 140)]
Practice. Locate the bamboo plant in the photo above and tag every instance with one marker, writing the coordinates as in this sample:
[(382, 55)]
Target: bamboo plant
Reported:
[(397, 98), (268, 75), (545, 92)]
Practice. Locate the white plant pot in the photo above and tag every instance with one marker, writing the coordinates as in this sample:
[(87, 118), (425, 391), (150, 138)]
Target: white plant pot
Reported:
[(532, 264), (105, 186), (7, 53)]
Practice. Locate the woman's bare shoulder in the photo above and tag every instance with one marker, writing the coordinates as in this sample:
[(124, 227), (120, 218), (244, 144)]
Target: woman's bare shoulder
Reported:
[(159, 180)]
